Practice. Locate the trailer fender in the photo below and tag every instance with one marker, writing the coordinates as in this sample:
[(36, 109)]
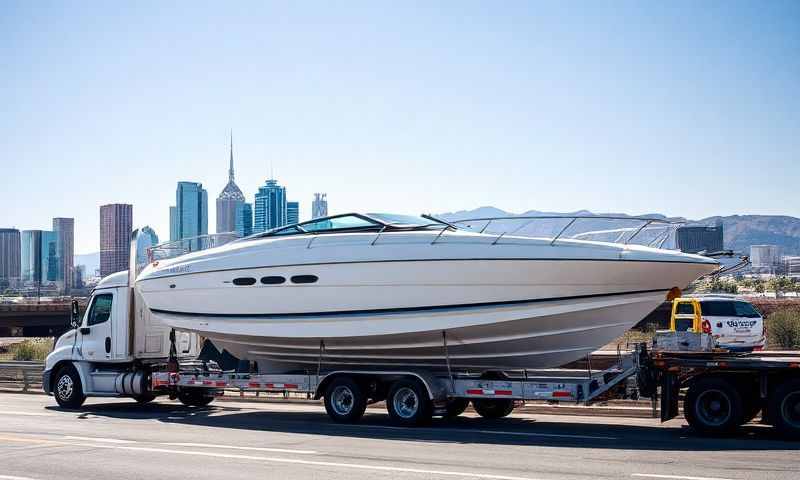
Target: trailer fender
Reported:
[(436, 390)]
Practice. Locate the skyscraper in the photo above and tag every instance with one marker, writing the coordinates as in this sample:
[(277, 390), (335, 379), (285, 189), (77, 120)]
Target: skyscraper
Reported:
[(292, 212), (229, 201), (270, 207), (116, 221), (191, 212), (147, 238), (31, 256), (173, 224), (244, 219), (65, 230), (39, 258), (319, 208), (10, 266)]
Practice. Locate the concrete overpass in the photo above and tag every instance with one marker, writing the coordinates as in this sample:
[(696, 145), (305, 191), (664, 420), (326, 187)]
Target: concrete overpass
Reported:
[(36, 319)]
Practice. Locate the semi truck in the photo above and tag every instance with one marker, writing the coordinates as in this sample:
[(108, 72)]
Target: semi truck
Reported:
[(117, 349)]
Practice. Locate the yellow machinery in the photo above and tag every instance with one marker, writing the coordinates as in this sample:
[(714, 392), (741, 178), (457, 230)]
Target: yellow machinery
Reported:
[(687, 316)]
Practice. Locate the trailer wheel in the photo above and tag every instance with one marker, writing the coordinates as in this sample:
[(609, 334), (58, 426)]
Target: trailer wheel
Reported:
[(456, 407), (195, 397), (493, 407), (785, 408), (713, 406), (67, 388), (408, 403), (345, 402), (144, 399)]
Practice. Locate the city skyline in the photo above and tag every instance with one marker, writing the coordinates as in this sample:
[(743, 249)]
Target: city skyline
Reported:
[(520, 106)]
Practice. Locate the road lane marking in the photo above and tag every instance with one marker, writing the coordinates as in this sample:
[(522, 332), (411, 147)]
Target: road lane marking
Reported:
[(99, 439), (27, 414), (675, 477), (12, 477), (236, 447), (293, 461), (490, 432)]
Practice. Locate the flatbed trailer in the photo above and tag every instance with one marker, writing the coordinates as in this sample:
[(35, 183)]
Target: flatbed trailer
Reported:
[(723, 390)]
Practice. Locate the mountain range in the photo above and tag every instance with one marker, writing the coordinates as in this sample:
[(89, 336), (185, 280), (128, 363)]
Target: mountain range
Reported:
[(739, 231)]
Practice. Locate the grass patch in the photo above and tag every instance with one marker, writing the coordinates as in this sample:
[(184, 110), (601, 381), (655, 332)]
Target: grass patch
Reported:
[(31, 350)]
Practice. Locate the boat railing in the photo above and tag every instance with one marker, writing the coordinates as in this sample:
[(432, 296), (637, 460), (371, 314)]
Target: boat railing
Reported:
[(653, 232), (183, 246)]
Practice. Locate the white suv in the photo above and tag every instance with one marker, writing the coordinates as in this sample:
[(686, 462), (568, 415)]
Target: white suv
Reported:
[(735, 323)]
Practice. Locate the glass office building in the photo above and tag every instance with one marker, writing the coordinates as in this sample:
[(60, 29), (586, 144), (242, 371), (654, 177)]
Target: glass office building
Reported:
[(292, 212), (270, 207), (40, 257), (244, 219), (191, 211)]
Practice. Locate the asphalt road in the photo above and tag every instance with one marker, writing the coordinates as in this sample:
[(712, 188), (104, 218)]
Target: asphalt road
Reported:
[(230, 440)]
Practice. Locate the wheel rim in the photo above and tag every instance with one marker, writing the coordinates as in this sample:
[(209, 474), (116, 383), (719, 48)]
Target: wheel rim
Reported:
[(713, 407), (65, 387), (342, 400), (405, 402), (790, 409)]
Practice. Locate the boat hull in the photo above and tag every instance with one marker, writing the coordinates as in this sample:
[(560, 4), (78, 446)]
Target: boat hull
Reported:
[(538, 334), (524, 303)]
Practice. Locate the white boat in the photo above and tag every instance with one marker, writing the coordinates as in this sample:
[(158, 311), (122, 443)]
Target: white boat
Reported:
[(382, 289)]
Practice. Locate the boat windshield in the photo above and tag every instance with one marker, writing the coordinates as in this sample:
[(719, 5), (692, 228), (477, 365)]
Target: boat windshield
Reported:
[(354, 222), (401, 220)]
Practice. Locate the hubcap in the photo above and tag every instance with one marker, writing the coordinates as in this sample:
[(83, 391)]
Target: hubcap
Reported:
[(790, 408), (405, 402), (342, 400), (713, 407), (64, 387)]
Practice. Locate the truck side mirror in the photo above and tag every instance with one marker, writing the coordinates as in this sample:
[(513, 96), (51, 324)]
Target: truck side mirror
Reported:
[(75, 315)]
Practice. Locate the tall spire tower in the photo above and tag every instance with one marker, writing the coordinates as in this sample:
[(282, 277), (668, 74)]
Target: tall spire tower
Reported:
[(230, 169), (230, 204)]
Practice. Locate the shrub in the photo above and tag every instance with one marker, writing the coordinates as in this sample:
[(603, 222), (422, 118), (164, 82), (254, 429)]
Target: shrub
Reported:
[(783, 329), (31, 350)]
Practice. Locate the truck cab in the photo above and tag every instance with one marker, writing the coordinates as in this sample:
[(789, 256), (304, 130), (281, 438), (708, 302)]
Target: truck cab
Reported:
[(111, 348)]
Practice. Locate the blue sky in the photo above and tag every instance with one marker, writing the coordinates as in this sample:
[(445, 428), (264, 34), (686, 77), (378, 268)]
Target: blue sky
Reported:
[(685, 108)]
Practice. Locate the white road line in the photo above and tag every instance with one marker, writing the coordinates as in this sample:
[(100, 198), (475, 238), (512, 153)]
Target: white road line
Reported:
[(235, 447), (353, 466), (27, 414), (99, 439), (674, 477), (490, 432), (11, 477)]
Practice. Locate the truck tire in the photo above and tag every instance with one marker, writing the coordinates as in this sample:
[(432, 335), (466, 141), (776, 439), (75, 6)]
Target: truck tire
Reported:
[(493, 407), (144, 399), (195, 397), (408, 403), (67, 388), (456, 407), (784, 408), (713, 406), (345, 401)]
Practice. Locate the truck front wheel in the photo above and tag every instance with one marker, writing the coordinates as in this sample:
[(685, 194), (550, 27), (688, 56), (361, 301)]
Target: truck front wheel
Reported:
[(67, 388), (713, 406)]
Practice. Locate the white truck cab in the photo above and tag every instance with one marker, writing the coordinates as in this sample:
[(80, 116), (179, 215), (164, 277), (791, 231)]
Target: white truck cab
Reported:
[(111, 350)]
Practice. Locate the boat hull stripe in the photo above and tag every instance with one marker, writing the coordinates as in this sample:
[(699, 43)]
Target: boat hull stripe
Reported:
[(382, 311)]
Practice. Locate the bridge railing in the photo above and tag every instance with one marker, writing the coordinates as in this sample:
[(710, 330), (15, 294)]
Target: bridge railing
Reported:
[(26, 376)]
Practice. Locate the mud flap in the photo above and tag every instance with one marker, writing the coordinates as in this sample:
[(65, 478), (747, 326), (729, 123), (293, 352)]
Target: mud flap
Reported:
[(669, 396)]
